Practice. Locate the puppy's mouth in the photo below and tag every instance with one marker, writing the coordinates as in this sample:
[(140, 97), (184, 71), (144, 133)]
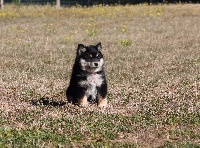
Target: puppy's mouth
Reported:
[(91, 67), (93, 64)]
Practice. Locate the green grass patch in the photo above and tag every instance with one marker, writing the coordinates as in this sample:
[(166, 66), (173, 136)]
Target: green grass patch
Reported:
[(180, 145), (31, 137)]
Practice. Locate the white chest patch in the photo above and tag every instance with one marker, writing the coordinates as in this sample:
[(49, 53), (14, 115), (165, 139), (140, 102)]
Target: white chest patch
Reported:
[(92, 82)]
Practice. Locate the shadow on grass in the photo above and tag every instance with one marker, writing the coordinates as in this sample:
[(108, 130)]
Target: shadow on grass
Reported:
[(48, 102)]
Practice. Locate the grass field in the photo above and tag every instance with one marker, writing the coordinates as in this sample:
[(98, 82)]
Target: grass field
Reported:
[(152, 56)]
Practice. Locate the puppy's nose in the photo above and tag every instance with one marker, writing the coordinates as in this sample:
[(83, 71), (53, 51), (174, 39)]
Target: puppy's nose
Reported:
[(96, 64)]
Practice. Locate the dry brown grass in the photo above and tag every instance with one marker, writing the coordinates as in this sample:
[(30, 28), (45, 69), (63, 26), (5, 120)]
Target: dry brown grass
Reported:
[(152, 58)]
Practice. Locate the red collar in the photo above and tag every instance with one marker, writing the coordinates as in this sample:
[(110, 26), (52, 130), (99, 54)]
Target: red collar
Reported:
[(93, 76)]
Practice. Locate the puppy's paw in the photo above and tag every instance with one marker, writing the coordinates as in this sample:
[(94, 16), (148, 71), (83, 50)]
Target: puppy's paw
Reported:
[(102, 102), (83, 102)]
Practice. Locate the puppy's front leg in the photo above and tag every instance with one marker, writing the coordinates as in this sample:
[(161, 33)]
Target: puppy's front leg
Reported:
[(102, 102), (83, 101)]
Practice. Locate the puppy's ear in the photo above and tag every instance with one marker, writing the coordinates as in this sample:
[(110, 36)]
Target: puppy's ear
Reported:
[(99, 47), (81, 48)]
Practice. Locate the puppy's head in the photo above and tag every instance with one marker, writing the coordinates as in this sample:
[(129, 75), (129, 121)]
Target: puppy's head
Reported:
[(90, 57)]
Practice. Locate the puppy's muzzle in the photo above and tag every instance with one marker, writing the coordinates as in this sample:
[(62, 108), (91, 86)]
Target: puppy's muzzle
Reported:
[(94, 64)]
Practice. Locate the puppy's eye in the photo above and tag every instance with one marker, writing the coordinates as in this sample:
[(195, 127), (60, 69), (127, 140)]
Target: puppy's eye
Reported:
[(97, 55), (88, 56)]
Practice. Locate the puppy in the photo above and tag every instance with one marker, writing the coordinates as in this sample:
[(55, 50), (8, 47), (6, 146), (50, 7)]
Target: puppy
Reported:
[(88, 80)]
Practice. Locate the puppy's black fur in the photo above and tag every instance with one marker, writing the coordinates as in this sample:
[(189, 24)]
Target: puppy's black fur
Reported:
[(88, 80)]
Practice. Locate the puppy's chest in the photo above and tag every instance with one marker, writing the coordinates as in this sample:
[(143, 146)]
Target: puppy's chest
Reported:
[(91, 83), (92, 80)]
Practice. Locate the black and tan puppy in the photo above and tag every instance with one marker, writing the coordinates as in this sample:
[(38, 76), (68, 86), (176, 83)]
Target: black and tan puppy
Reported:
[(88, 80)]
